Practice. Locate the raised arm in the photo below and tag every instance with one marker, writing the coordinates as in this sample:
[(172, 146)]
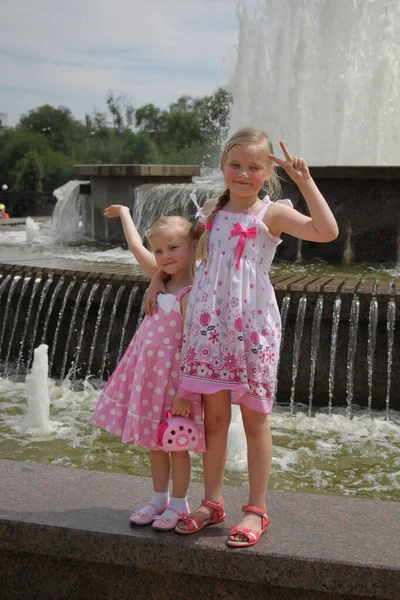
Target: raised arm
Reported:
[(144, 257), (321, 225)]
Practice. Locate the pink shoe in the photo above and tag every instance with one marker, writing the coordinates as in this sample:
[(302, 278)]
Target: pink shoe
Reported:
[(162, 524), (141, 518)]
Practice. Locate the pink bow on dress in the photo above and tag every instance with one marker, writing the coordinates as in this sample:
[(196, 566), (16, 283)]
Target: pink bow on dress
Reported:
[(244, 233)]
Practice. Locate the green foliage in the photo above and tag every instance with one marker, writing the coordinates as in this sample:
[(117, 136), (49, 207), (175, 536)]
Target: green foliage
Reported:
[(57, 124), (30, 173), (192, 130), (58, 169), (48, 141)]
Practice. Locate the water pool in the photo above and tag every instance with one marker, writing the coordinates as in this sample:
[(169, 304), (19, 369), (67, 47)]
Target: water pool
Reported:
[(357, 457)]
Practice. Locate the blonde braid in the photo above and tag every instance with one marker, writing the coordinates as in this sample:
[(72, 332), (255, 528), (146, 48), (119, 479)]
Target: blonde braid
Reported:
[(202, 247)]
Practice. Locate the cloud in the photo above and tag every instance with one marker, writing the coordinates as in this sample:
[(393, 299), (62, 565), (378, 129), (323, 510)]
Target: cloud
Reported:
[(72, 53)]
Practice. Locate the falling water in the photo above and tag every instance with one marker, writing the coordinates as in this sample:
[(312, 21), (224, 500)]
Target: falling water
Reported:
[(35, 287), (79, 295), (25, 283), (141, 312), (89, 301), (13, 285), (60, 316), (284, 313), (38, 418), (110, 326), (32, 229), (132, 296), (66, 217), (391, 324), (3, 284), (351, 351), (372, 328), (43, 296), (298, 334), (153, 201), (295, 57), (315, 333), (103, 301), (334, 336), (51, 306)]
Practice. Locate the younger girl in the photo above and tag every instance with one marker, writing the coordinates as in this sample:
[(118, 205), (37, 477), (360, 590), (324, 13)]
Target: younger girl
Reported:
[(144, 384), (232, 326)]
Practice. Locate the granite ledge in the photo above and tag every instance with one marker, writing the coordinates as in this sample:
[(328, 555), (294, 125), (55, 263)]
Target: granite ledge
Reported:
[(327, 545)]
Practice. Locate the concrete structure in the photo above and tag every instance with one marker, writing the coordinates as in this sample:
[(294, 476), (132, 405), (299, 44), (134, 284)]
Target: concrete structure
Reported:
[(366, 205), (364, 200), (64, 533), (112, 184)]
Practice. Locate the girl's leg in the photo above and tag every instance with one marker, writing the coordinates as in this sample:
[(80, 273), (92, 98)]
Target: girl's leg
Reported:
[(180, 473), (160, 471), (217, 417), (178, 504), (259, 457)]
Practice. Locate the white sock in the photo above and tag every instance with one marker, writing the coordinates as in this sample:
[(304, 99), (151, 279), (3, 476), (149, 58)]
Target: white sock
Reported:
[(178, 504), (159, 499)]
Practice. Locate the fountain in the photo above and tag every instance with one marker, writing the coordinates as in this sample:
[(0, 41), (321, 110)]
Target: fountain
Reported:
[(38, 418), (339, 331), (336, 419), (327, 82)]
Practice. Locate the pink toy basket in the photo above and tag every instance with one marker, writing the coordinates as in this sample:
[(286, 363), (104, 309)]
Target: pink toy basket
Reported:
[(177, 433)]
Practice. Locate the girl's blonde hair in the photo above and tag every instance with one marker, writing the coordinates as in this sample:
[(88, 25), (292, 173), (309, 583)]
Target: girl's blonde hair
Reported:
[(272, 187), (177, 224)]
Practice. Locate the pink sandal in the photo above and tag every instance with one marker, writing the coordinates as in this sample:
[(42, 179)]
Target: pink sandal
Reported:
[(195, 525), (161, 523), (252, 535), (141, 518)]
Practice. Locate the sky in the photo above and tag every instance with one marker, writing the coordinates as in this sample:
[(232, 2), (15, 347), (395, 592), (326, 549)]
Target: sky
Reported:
[(71, 53)]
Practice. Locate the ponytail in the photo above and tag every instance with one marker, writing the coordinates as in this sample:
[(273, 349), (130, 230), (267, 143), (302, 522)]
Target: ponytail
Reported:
[(202, 247)]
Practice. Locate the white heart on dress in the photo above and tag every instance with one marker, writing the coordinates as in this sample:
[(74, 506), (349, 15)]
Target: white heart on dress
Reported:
[(168, 302)]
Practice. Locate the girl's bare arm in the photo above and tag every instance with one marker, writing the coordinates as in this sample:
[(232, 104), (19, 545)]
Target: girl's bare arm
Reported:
[(321, 225), (157, 286), (144, 257)]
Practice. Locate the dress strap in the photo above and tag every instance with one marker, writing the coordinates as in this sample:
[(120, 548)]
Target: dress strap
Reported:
[(182, 292), (199, 214), (267, 203), (286, 201)]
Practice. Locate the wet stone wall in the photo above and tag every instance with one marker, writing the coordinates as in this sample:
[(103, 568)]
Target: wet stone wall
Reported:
[(340, 336)]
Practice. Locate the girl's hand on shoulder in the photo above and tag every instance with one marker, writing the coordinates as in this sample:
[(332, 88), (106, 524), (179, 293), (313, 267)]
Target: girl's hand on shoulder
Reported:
[(295, 167), (157, 286), (180, 407), (114, 210)]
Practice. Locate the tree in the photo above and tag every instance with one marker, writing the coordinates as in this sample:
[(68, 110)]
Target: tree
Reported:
[(30, 173), (57, 124), (152, 120), (189, 129), (14, 145), (58, 168), (121, 110)]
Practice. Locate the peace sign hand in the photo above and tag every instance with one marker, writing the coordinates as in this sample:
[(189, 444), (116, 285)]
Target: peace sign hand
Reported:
[(295, 167)]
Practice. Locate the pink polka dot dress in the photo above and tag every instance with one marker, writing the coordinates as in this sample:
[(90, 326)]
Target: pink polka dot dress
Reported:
[(142, 387), (233, 326)]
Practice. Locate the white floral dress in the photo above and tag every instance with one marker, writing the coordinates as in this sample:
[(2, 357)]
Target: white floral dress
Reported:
[(233, 328)]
